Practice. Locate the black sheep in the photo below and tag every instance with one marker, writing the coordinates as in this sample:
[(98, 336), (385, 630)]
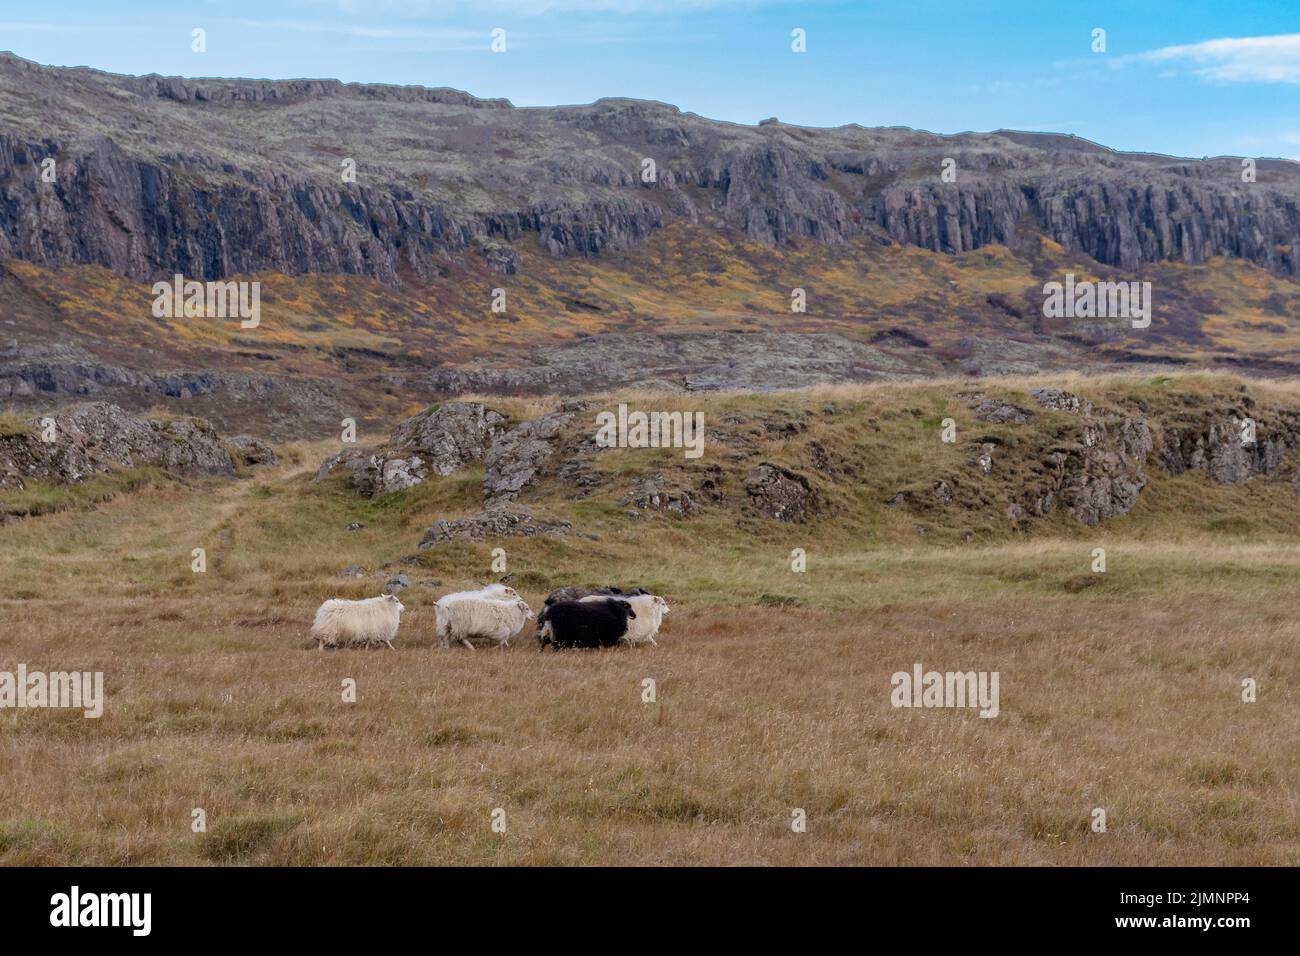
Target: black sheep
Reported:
[(583, 623)]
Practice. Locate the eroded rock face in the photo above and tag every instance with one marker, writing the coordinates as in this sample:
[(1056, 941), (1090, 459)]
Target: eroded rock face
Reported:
[(98, 437), (438, 441), (1103, 475), (141, 208), (780, 493), (448, 435), (445, 438), (1219, 451), (516, 457)]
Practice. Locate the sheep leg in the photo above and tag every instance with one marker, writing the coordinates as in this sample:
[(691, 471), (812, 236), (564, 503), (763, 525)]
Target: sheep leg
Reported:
[(390, 645), (465, 641), (653, 641)]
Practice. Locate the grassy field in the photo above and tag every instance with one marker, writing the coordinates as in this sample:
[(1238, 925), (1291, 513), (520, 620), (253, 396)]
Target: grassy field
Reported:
[(1119, 691)]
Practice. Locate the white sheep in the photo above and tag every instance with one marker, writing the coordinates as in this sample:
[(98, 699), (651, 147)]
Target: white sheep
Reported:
[(480, 617), (371, 621), (650, 610), (492, 592)]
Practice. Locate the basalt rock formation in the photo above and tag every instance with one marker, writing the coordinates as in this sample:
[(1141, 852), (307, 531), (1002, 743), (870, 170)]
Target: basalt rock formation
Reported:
[(251, 175)]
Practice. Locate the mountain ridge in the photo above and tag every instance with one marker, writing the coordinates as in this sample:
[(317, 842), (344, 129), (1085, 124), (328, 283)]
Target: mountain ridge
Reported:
[(259, 185)]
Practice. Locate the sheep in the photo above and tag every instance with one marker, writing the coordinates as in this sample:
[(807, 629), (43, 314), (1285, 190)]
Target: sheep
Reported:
[(599, 623), (650, 610), (577, 594), (480, 617), (371, 621), (492, 592)]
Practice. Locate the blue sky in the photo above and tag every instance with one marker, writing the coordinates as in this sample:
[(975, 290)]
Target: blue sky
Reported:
[(1186, 77)]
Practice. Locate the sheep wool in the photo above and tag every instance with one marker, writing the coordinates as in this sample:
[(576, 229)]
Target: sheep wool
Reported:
[(492, 592), (483, 618), (341, 622)]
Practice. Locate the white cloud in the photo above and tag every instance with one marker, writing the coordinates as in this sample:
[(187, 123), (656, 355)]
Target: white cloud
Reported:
[(1271, 59)]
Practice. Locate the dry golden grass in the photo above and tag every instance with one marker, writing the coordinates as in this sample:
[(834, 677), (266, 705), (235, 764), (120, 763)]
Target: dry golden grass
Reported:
[(1120, 691), (682, 278)]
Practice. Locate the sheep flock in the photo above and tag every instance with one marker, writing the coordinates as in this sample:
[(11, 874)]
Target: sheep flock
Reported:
[(572, 617)]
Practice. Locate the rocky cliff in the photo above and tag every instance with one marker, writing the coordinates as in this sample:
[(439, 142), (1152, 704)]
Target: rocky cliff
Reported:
[(155, 175)]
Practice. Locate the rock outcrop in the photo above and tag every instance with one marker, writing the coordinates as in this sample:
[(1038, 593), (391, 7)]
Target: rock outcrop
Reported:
[(492, 522), (690, 361), (1102, 475), (1230, 450), (438, 441), (95, 438), (1020, 458), (449, 434), (653, 493), (780, 493), (516, 458)]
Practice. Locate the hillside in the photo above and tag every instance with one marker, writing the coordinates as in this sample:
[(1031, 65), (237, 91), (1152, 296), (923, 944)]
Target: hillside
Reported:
[(257, 184), (376, 294), (853, 466), (1121, 688)]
